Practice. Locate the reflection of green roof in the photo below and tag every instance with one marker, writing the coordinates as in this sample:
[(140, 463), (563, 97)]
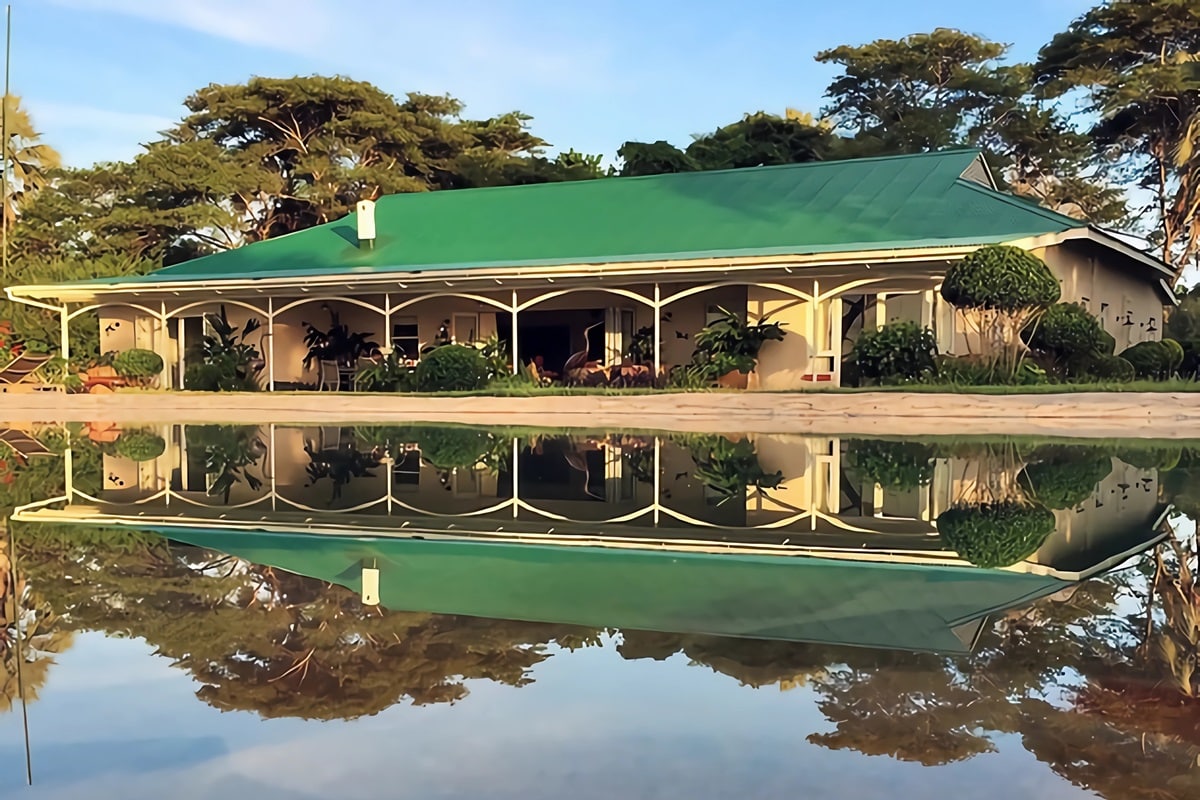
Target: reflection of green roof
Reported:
[(797, 209), (873, 604)]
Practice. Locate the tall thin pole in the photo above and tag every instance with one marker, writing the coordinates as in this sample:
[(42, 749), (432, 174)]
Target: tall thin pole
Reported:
[(4, 139)]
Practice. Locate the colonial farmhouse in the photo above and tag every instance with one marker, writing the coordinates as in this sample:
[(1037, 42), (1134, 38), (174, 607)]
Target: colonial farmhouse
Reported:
[(827, 249)]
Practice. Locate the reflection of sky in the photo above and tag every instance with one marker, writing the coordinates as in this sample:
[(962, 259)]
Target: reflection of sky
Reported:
[(115, 721)]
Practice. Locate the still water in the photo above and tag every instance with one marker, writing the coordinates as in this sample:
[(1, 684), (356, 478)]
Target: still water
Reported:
[(371, 611)]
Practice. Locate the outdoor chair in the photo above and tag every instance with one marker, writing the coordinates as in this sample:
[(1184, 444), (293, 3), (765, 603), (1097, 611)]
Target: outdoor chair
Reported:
[(23, 372), (23, 443), (329, 376)]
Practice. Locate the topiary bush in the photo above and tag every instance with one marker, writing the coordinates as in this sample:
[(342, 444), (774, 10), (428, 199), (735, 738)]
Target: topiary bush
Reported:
[(1111, 368), (137, 364), (892, 465), (1000, 278), (140, 446), (999, 291), (995, 534), (1152, 360), (1070, 338), (1162, 459), (1063, 477), (902, 352), (451, 368)]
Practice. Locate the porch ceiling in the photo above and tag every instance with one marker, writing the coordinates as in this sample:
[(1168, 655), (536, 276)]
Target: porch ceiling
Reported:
[(892, 274)]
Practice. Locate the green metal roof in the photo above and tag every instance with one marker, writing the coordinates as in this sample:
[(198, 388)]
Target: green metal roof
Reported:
[(905, 606), (797, 209)]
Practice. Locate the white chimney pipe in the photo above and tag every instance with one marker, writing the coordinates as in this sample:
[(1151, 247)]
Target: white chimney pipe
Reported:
[(366, 223)]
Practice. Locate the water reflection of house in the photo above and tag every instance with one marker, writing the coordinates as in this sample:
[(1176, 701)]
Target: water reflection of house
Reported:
[(612, 531), (628, 490)]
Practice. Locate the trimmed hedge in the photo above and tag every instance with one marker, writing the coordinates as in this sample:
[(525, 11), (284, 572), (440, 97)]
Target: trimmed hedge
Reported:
[(451, 368), (892, 465), (137, 363), (140, 446), (902, 352), (1154, 360), (995, 534), (1071, 338), (1063, 477), (1000, 277)]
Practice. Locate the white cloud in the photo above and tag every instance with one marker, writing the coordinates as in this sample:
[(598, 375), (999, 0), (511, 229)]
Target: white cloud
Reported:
[(94, 134), (289, 25)]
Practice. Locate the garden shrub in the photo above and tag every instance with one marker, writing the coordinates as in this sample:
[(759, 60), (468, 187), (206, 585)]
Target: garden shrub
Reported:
[(1153, 360), (1063, 477), (892, 465), (444, 448), (140, 446), (1147, 458), (137, 364), (388, 374), (964, 370), (451, 368), (901, 352), (1183, 325), (1176, 352), (1000, 278), (1000, 290), (995, 534), (1071, 338), (1111, 368)]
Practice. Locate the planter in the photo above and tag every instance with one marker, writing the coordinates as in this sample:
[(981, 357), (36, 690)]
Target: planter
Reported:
[(734, 380)]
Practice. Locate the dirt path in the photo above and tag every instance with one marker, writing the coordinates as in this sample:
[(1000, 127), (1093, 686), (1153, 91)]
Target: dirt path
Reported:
[(1093, 415)]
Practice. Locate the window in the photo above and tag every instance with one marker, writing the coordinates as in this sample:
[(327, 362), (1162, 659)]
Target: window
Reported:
[(405, 339)]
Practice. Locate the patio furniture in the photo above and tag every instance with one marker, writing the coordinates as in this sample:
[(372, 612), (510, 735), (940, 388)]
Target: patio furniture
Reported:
[(23, 444), (23, 373), (328, 376)]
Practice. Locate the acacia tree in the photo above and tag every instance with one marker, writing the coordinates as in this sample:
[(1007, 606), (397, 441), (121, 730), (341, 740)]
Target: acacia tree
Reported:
[(931, 91), (758, 139), (1134, 62)]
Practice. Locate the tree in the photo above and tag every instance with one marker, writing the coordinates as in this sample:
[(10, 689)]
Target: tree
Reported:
[(758, 139), (1132, 59), (303, 150), (922, 92), (27, 161), (932, 91)]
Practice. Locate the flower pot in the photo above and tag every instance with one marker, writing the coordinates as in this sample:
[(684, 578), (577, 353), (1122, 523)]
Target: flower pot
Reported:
[(734, 380)]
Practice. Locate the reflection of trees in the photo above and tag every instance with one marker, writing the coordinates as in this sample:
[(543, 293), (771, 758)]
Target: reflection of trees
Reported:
[(273, 642), (24, 613)]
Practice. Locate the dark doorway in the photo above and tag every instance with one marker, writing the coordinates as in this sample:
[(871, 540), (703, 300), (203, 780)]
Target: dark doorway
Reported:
[(555, 335)]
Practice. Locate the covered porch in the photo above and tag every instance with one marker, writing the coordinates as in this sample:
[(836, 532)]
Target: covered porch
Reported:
[(542, 321)]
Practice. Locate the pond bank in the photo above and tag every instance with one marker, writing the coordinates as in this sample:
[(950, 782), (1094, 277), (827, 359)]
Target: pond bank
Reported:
[(1144, 415)]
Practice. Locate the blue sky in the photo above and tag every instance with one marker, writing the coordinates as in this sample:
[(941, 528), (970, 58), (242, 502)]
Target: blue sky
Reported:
[(102, 76)]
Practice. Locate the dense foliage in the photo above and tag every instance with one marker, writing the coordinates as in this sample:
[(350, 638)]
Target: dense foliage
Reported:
[(140, 445), (451, 368), (728, 344), (1070, 339), (1000, 278), (899, 465), (902, 352), (137, 363), (995, 534), (1154, 360), (1063, 477), (229, 362)]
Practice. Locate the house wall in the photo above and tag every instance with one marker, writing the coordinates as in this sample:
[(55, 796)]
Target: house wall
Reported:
[(1129, 306), (781, 364), (125, 328)]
